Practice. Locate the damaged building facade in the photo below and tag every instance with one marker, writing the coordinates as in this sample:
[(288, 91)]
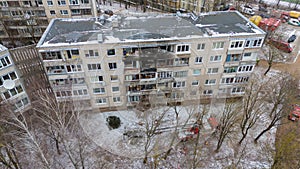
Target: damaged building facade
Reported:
[(113, 62)]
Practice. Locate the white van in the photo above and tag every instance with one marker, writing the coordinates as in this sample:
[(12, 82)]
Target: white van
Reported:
[(247, 10)]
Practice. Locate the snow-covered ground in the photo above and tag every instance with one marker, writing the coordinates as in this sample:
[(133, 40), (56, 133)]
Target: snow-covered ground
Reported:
[(248, 154)]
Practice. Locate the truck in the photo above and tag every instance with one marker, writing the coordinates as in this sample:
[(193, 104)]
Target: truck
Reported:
[(267, 24), (286, 16)]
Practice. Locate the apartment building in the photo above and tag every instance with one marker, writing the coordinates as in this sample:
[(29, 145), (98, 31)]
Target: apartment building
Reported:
[(124, 61), (22, 22), (11, 87), (176, 5)]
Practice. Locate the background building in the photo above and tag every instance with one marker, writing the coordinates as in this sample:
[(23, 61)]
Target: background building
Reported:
[(119, 62), (22, 22), (11, 87)]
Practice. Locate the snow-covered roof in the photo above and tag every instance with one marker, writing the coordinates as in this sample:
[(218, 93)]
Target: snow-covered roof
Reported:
[(117, 29), (2, 48)]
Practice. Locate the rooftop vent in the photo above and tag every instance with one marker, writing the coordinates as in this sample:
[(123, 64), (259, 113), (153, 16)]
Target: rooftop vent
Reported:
[(100, 38)]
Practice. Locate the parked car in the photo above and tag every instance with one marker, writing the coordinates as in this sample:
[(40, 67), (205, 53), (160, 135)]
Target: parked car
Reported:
[(294, 22), (281, 45), (247, 10), (109, 12), (292, 38), (295, 113)]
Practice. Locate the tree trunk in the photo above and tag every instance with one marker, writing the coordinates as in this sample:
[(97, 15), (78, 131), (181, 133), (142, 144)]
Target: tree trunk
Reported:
[(57, 147), (242, 139)]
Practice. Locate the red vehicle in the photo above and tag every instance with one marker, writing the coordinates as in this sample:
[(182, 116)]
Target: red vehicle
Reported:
[(281, 45), (295, 114), (269, 24)]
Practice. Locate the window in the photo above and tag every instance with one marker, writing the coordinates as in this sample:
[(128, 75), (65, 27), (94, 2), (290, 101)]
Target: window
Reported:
[(4, 62), (51, 55), (9, 76), (179, 84), (86, 11), (131, 63), (198, 59), (134, 98), (132, 77), (99, 90), (212, 70), (39, 2), (236, 44), (245, 68), (74, 68), (115, 89), (113, 77), (247, 54), (215, 58), (228, 80), (210, 82), (183, 48), (91, 53), (238, 90), (95, 66), (84, 1), (75, 11), (101, 101), (112, 66), (26, 3), (201, 46), (12, 92), (80, 92), (253, 43), (233, 57), (163, 75), (117, 99), (218, 45), (207, 92), (181, 61), (177, 95), (52, 12), (231, 69), (3, 4), (61, 2), (64, 12), (56, 69), (50, 3), (95, 79), (16, 13), (196, 71), (181, 74), (195, 83), (21, 103), (241, 79), (111, 52), (74, 2)]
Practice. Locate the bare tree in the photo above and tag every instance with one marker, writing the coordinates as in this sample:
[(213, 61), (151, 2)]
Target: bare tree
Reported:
[(30, 138), (251, 106), (227, 123), (281, 92)]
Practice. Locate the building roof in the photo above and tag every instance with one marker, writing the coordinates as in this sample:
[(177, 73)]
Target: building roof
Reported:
[(2, 48), (225, 22), (118, 29)]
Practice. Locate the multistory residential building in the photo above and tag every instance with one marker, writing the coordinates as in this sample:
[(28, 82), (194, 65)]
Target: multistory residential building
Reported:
[(124, 61), (11, 87), (22, 22)]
